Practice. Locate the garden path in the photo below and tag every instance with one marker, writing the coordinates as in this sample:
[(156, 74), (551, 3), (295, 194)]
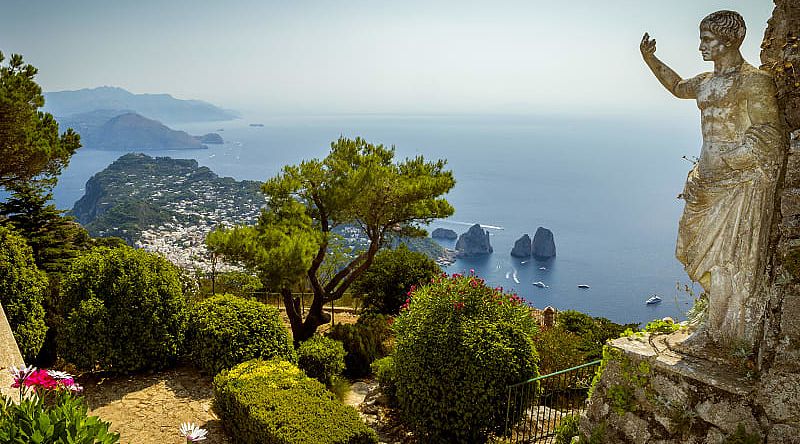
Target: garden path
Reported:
[(149, 408)]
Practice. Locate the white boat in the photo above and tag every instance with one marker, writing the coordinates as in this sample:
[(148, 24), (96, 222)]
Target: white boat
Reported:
[(540, 284), (543, 268), (655, 299), (583, 286)]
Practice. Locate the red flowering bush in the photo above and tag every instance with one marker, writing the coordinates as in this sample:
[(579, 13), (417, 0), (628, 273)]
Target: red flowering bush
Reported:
[(458, 344)]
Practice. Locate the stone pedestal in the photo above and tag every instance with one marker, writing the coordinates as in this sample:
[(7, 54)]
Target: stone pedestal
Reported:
[(9, 355), (650, 393)]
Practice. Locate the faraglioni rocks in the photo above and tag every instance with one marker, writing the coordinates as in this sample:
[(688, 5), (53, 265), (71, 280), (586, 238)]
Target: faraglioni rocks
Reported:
[(444, 233), (544, 246), (522, 247), (475, 242)]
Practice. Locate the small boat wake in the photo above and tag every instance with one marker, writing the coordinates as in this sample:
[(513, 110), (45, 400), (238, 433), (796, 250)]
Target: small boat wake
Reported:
[(469, 224)]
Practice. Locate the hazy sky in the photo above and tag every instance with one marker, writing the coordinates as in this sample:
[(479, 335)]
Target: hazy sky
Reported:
[(339, 56)]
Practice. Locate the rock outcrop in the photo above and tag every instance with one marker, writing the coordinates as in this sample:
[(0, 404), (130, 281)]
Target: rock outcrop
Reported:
[(522, 247), (475, 242), (544, 247), (444, 233), (210, 139)]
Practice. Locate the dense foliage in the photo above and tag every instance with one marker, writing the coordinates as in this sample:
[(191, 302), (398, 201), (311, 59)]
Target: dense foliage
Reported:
[(126, 311), (593, 332), (274, 402), (387, 282), (226, 330), (321, 358), (458, 345), (57, 419), (558, 349), (30, 145), (237, 283), (385, 374), (22, 289), (359, 185), (364, 342)]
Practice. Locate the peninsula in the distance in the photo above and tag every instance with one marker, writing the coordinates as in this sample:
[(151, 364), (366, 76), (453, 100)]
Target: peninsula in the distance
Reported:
[(161, 107)]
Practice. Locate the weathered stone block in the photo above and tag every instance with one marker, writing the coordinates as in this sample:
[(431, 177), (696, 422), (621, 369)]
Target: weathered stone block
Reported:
[(727, 415), (779, 395), (784, 434)]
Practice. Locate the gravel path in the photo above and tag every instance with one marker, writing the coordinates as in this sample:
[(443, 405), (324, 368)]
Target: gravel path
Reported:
[(149, 409)]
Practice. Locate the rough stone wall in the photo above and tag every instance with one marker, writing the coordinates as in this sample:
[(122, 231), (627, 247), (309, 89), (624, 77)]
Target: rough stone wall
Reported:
[(780, 349)]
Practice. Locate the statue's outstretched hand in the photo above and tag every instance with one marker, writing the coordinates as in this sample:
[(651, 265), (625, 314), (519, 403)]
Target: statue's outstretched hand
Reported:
[(647, 46)]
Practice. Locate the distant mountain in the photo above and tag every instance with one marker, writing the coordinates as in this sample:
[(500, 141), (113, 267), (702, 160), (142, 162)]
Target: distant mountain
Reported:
[(129, 132), (161, 107)]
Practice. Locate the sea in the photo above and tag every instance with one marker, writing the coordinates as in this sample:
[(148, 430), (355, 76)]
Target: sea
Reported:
[(606, 186)]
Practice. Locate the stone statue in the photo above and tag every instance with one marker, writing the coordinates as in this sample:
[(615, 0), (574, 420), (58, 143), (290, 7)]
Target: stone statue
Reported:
[(723, 233)]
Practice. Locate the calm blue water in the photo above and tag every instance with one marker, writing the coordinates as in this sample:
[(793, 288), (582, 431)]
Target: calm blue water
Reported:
[(605, 187)]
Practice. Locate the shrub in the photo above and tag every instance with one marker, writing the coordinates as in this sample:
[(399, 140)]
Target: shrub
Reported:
[(567, 429), (458, 345), (558, 349), (391, 276), (274, 402), (60, 418), (594, 332), (126, 311), (227, 330), (321, 358), (363, 342), (22, 290), (385, 374)]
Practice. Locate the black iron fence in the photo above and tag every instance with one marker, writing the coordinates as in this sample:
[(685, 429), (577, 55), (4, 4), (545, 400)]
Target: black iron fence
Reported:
[(538, 406)]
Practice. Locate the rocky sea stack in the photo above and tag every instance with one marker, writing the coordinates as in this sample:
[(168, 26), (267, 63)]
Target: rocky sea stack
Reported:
[(522, 247), (544, 246), (444, 233), (475, 242)]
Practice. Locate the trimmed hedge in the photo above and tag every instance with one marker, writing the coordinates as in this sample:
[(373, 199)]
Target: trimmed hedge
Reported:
[(126, 311), (274, 402), (363, 342), (226, 330), (22, 290), (321, 358), (458, 345)]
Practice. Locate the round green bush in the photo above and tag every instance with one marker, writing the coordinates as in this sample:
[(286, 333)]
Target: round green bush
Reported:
[(393, 273), (321, 358), (458, 345), (363, 341), (226, 330), (22, 290), (125, 311)]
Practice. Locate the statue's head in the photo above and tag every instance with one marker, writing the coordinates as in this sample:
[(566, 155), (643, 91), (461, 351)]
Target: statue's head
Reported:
[(720, 32)]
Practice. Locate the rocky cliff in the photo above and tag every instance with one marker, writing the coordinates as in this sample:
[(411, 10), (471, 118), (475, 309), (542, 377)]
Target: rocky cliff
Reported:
[(522, 247), (475, 242), (544, 245)]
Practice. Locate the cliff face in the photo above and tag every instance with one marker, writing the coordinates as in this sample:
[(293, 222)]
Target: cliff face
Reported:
[(444, 233), (544, 245), (522, 247), (475, 242)]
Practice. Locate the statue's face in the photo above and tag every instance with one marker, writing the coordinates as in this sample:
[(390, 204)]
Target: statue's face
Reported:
[(711, 46)]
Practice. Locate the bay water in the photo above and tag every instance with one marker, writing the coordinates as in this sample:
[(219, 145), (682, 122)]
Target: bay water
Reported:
[(606, 187)]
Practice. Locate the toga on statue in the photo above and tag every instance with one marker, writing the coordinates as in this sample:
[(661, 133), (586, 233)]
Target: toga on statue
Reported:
[(723, 234)]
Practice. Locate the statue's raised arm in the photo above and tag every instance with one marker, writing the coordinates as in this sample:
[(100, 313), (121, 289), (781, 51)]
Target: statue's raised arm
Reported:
[(683, 89)]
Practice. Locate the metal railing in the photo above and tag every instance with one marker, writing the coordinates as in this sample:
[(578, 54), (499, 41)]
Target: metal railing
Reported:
[(537, 407)]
